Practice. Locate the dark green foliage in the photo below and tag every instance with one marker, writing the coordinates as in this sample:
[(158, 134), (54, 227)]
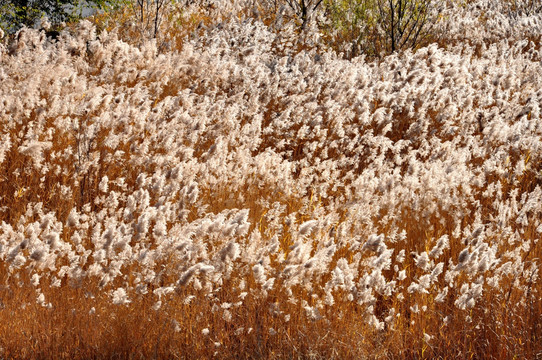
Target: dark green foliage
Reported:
[(15, 14)]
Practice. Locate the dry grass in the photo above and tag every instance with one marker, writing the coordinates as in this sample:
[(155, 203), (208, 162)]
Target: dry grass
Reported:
[(79, 321)]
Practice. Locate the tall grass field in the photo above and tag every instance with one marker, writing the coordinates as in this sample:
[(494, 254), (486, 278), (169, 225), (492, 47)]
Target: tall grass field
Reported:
[(241, 187)]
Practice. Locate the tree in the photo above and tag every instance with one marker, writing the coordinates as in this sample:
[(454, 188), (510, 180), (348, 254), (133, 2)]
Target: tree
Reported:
[(149, 14), (301, 10), (380, 27), (15, 14), (304, 9), (404, 22)]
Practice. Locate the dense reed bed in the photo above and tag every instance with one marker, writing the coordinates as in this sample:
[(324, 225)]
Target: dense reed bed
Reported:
[(237, 190)]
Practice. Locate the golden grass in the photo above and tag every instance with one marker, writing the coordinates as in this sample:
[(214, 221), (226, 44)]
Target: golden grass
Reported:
[(82, 323)]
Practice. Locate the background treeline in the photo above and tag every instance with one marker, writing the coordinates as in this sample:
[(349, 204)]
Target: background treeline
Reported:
[(353, 27)]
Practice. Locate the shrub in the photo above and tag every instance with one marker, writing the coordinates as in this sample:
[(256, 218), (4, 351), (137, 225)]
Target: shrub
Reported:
[(380, 27)]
